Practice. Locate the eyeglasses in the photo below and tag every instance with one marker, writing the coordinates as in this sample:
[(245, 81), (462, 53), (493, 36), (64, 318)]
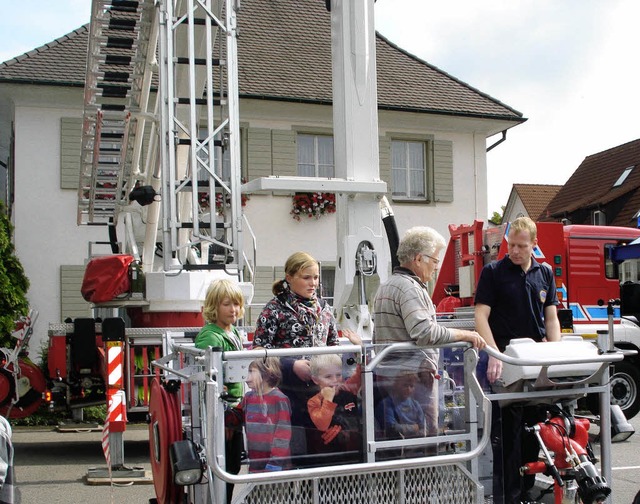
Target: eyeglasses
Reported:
[(434, 259)]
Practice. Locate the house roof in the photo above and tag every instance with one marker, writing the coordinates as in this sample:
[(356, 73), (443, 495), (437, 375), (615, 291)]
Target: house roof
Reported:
[(284, 53), (591, 185), (60, 62), (535, 197)]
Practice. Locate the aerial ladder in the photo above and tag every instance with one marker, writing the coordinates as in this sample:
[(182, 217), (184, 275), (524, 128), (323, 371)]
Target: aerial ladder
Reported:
[(155, 164), (160, 170), (148, 168)]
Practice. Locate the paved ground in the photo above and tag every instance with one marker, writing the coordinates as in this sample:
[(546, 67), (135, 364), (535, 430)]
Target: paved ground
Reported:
[(51, 467)]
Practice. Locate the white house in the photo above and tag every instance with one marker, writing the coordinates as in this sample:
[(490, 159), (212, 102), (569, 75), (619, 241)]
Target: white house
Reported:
[(285, 106)]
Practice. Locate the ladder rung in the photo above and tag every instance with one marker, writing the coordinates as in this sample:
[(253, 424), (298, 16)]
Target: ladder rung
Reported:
[(117, 76), (113, 91), (116, 59), (203, 225), (197, 61), (187, 101), (124, 5), (119, 42), (112, 107), (122, 24)]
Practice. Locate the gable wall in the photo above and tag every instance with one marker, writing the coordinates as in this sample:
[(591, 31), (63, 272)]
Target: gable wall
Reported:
[(46, 235), (515, 208)]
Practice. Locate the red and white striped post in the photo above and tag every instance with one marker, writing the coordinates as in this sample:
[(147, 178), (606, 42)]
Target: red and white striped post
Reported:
[(116, 420)]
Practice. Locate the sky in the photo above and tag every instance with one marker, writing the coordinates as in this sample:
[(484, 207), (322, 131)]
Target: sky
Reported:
[(570, 67)]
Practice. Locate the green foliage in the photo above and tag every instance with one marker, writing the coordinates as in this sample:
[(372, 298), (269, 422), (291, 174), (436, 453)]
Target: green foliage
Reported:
[(13, 282), (44, 416), (496, 218)]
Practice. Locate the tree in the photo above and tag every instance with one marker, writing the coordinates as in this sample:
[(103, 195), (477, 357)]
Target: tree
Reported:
[(14, 284), (496, 218)]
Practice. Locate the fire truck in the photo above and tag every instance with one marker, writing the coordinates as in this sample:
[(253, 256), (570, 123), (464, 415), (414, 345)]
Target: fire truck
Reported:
[(588, 275), (150, 172)]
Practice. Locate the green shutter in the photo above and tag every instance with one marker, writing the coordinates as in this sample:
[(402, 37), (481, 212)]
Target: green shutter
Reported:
[(70, 147), (443, 171), (72, 304), (258, 153), (385, 162), (284, 153)]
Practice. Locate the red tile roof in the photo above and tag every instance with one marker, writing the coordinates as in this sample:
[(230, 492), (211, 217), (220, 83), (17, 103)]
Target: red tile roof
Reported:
[(284, 53), (536, 197), (591, 188)]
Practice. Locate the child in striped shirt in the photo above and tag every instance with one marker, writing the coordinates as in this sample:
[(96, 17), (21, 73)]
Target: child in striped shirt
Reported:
[(266, 415)]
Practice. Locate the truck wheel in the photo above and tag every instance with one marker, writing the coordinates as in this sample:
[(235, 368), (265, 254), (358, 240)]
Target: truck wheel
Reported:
[(625, 383)]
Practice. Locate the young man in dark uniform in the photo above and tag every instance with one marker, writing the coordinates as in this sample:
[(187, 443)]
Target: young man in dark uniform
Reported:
[(515, 298)]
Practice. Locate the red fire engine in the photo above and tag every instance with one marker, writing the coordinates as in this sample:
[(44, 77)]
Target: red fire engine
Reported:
[(587, 278)]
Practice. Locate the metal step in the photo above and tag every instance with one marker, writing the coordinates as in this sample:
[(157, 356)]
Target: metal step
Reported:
[(116, 64)]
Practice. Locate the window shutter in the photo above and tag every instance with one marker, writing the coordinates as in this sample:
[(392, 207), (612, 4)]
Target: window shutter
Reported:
[(70, 148), (385, 162), (443, 171), (284, 154), (258, 153), (72, 304)]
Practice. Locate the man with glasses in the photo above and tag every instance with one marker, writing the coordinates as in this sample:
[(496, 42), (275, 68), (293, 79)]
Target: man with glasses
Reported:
[(404, 312)]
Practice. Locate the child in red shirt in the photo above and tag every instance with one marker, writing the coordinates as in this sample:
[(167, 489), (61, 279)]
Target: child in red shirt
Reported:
[(335, 412)]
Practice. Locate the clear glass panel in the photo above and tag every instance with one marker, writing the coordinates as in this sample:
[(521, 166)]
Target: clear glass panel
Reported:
[(306, 149), (293, 416), (325, 150), (416, 183), (326, 171), (306, 170), (398, 155), (398, 182), (407, 403), (415, 155)]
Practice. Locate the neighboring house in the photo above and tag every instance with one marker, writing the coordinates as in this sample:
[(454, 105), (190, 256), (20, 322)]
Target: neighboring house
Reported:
[(604, 190), (528, 200), (284, 58)]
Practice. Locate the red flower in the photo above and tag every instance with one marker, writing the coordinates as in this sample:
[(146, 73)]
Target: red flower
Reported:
[(312, 204), (203, 200)]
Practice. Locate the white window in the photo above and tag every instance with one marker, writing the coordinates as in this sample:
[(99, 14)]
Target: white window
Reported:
[(315, 156), (598, 218), (408, 169)]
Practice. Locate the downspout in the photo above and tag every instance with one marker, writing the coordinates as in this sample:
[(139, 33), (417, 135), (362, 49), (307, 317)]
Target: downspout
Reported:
[(492, 146), (504, 137)]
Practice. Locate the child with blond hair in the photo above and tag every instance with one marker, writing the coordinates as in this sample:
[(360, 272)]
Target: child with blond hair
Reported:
[(335, 412), (223, 306)]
